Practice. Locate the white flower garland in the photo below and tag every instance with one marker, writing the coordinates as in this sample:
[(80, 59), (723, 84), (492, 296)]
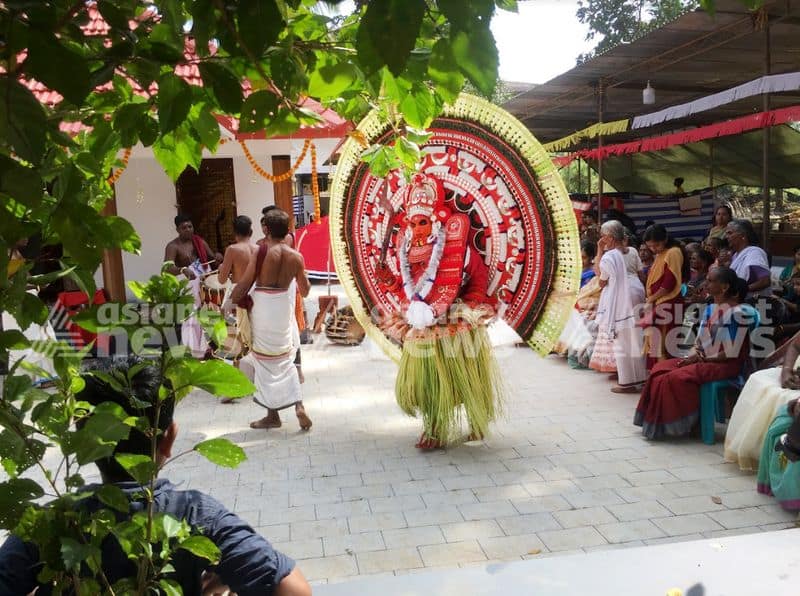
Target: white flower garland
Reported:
[(423, 287)]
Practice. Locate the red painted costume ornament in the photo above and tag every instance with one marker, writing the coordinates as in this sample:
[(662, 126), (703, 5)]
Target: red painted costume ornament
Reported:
[(485, 230)]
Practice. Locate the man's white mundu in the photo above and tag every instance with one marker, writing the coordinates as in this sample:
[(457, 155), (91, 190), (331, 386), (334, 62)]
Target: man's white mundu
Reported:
[(276, 339)]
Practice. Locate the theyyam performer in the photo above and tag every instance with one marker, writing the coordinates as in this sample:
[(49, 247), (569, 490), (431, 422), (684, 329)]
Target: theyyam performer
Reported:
[(483, 230)]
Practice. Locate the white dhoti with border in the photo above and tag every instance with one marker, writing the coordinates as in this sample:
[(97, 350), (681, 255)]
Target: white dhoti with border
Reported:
[(275, 341), (192, 335)]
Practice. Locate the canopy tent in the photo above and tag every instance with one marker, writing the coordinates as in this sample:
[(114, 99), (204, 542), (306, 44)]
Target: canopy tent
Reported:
[(733, 159)]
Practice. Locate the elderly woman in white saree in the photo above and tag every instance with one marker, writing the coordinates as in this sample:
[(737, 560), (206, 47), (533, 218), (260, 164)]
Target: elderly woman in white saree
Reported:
[(619, 345)]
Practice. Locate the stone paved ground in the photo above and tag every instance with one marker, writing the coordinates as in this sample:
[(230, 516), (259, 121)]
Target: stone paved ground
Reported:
[(563, 471)]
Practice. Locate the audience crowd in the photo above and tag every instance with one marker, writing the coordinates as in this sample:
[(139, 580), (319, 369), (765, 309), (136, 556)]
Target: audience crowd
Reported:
[(663, 316)]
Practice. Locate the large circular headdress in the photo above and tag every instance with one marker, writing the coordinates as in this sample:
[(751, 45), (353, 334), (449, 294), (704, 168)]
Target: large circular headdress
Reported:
[(494, 171)]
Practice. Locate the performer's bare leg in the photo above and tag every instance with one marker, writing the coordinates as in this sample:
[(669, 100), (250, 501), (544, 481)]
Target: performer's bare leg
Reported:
[(427, 442), (271, 420), (302, 417)]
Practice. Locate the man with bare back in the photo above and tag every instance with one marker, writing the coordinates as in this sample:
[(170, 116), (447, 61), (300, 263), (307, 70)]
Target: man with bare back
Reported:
[(191, 256), (279, 273), (234, 264)]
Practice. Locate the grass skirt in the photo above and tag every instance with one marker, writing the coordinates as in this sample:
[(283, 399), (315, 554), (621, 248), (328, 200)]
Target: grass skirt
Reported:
[(442, 369)]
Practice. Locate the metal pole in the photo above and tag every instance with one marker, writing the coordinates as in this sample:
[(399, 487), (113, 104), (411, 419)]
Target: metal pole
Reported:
[(711, 168), (765, 227), (580, 178), (600, 93)]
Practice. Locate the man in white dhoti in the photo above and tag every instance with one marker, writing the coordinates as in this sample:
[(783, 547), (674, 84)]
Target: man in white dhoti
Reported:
[(191, 256), (278, 272)]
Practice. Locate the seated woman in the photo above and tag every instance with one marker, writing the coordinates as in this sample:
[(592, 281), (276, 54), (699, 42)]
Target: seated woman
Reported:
[(577, 340), (789, 274), (700, 262), (670, 401), (779, 467), (588, 252), (764, 394)]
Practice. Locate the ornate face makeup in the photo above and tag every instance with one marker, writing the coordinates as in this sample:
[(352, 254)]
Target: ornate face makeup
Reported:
[(421, 228)]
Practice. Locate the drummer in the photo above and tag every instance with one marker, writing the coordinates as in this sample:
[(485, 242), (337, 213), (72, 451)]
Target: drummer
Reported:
[(191, 256), (237, 257)]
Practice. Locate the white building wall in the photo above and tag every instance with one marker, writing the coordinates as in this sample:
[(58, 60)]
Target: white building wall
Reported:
[(146, 196)]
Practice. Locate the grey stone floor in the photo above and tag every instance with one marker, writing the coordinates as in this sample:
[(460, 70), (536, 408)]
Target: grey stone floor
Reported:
[(563, 471)]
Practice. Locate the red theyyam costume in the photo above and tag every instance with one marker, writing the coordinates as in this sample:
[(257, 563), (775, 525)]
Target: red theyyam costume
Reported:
[(485, 229)]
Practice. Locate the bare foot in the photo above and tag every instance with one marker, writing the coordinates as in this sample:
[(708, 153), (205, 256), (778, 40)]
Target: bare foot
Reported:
[(475, 436), (427, 443), (266, 422), (302, 417)]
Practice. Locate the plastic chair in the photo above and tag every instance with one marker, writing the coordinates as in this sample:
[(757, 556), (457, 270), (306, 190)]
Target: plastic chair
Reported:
[(712, 410)]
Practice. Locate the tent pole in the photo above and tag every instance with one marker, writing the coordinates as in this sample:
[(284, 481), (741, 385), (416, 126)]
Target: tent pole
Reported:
[(711, 170), (580, 179), (600, 93), (765, 229)]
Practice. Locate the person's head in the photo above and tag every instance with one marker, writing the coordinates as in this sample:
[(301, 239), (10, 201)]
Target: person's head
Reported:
[(649, 223), (589, 217), (277, 223), (722, 215), (657, 239), (613, 232), (725, 257), (588, 253), (631, 239), (242, 227), (714, 244), (268, 208), (137, 398), (184, 226), (723, 285), (700, 260), (692, 246), (740, 234), (421, 228), (678, 182), (645, 255)]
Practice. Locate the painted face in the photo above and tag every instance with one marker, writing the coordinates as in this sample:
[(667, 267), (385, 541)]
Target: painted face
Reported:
[(185, 230), (421, 228)]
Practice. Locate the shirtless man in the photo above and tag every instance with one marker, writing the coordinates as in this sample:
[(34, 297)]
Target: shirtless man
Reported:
[(191, 256), (275, 339), (239, 254), (185, 250)]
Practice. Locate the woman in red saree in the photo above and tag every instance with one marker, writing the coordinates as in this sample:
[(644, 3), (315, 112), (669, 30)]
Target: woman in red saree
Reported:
[(670, 401), (669, 271)]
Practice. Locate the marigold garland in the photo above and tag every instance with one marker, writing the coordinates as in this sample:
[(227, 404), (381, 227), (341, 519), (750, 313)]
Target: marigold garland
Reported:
[(272, 177), (315, 185), (126, 155)]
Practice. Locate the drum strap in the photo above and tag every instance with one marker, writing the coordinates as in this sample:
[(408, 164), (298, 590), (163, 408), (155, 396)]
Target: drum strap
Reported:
[(246, 301)]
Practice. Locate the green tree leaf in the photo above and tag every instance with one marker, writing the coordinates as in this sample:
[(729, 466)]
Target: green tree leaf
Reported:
[(21, 183), (57, 66), (15, 496), (174, 101), (330, 79), (257, 108), (419, 107), (221, 452), (114, 497), (170, 587), (224, 83), (206, 126), (408, 153), (140, 467), (509, 5), (178, 150), (388, 32), (260, 23), (73, 553), (31, 310), (22, 121), (443, 70), (202, 547), (215, 376), (476, 54), (98, 438)]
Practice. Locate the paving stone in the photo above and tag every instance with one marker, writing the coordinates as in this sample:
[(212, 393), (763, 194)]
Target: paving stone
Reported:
[(649, 478), (329, 567), (528, 524), (376, 521), (749, 516), (386, 477), (460, 531), (276, 533), (452, 553), (413, 537), (600, 482), (686, 524), (552, 487), (698, 504), (389, 560), (352, 543), (541, 504), (433, 516), (638, 510), (301, 549), (588, 516), (328, 483), (573, 538), (593, 498), (511, 547), (318, 529), (487, 510), (696, 488), (372, 491), (418, 487), (627, 531), (388, 504), (299, 499), (339, 510), (451, 497)]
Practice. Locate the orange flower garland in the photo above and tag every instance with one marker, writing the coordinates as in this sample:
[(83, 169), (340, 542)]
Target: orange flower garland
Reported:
[(271, 177), (315, 184), (126, 155)]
